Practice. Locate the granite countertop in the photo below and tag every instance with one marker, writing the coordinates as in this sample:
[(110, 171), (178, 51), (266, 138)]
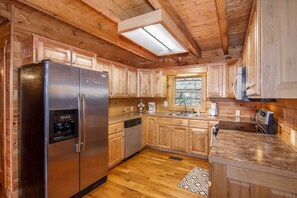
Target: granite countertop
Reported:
[(260, 152), (127, 116)]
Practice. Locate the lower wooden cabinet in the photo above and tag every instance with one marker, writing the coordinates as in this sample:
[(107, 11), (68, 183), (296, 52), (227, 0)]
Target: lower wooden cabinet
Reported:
[(180, 138), (198, 141), (228, 181), (151, 132), (164, 136), (115, 144)]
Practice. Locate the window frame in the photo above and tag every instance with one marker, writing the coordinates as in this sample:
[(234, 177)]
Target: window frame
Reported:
[(171, 93)]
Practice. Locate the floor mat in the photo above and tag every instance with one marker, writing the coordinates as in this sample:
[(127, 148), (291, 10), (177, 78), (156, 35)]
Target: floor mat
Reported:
[(196, 181)]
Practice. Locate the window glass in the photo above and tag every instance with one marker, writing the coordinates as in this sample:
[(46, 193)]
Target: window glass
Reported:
[(188, 91)]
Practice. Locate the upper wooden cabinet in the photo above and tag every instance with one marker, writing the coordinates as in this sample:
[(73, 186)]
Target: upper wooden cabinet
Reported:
[(81, 58), (231, 69), (270, 54), (107, 67), (215, 80), (38, 48), (145, 78), (151, 83), (118, 81), (131, 85)]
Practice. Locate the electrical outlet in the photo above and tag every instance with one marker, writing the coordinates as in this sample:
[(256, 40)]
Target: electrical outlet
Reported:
[(237, 112), (131, 109), (165, 103), (293, 137)]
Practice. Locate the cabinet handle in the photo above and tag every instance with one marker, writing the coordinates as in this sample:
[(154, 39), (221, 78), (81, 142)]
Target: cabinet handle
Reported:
[(250, 86)]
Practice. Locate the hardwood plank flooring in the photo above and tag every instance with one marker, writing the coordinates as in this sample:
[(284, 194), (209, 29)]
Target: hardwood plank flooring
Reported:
[(149, 174)]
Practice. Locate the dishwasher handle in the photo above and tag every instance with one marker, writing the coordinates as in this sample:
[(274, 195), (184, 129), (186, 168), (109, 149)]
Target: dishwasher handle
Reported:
[(132, 123)]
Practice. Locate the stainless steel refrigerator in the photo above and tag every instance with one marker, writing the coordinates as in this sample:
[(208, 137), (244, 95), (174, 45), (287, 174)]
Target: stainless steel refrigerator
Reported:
[(64, 130)]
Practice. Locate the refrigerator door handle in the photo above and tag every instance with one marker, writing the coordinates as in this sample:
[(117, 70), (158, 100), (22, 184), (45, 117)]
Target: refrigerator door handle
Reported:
[(84, 122), (78, 145)]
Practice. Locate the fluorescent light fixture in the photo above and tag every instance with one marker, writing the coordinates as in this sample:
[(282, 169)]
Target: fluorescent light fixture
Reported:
[(151, 32)]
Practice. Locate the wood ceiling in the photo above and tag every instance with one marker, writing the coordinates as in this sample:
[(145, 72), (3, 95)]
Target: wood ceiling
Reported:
[(213, 28)]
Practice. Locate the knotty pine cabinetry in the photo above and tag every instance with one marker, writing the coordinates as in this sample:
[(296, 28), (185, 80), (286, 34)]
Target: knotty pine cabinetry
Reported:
[(233, 182), (270, 52), (39, 48), (151, 131), (115, 144), (151, 83), (220, 79), (198, 137), (118, 81)]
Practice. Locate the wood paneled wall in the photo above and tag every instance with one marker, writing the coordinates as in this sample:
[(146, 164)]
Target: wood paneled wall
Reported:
[(5, 36), (285, 113)]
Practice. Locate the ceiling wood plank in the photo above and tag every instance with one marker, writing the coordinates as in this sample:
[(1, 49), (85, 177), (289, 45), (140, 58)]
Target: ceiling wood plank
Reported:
[(222, 16), (109, 8), (169, 9), (105, 29)]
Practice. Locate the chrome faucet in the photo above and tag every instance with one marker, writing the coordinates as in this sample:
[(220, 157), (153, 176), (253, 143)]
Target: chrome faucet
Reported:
[(184, 101)]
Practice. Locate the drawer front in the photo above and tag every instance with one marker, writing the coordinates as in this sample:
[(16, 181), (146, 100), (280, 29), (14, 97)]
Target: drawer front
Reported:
[(198, 124), (164, 120), (115, 135), (114, 128), (180, 122)]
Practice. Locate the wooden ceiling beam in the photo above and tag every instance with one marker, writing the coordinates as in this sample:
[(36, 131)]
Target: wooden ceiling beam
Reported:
[(222, 16), (169, 9), (109, 9), (104, 29)]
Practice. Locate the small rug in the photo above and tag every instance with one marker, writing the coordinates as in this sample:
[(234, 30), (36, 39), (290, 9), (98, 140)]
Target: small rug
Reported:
[(196, 181)]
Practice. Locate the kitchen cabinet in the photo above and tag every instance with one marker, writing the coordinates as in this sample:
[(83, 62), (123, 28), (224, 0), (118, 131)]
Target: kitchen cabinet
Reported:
[(151, 132), (180, 138), (81, 58), (144, 129), (47, 49), (106, 66), (145, 78), (131, 85), (164, 136), (151, 83), (115, 144), (159, 84), (231, 69), (271, 51), (39, 48), (232, 182), (118, 81), (198, 137), (216, 80)]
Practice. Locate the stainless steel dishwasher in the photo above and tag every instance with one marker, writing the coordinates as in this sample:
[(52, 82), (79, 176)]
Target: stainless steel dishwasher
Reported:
[(132, 136)]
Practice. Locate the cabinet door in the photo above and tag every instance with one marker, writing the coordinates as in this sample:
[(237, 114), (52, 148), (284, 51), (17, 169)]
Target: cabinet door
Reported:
[(253, 61), (131, 85), (144, 131), (145, 83), (151, 136), (164, 136), (83, 59), (198, 140), (180, 138), (116, 148), (232, 72), (107, 67), (118, 81), (215, 81), (54, 52), (158, 80)]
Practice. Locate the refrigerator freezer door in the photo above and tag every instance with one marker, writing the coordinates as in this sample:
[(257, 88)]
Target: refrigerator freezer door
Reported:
[(63, 161), (94, 152)]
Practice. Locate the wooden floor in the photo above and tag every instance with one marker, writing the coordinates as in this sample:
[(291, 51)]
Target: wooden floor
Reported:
[(149, 174)]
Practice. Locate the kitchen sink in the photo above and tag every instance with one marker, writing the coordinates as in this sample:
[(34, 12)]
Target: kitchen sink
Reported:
[(184, 114)]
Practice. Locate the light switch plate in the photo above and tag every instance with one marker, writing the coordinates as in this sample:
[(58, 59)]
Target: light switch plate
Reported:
[(293, 137), (237, 112)]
